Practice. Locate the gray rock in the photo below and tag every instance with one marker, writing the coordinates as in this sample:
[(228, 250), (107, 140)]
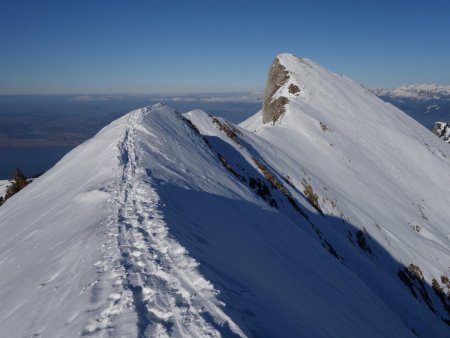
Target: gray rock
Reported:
[(274, 108), (442, 130)]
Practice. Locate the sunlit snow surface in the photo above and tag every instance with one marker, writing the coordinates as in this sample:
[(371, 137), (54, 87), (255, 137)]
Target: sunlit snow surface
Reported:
[(152, 228)]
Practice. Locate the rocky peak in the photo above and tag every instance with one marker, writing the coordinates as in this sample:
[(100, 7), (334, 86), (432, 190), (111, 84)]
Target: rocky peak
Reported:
[(281, 86), (273, 107), (442, 130)]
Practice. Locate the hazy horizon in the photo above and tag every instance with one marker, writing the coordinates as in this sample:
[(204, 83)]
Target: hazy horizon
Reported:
[(176, 47)]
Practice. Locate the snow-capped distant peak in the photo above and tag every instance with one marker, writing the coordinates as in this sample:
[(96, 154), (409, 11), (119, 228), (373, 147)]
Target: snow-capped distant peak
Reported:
[(418, 90)]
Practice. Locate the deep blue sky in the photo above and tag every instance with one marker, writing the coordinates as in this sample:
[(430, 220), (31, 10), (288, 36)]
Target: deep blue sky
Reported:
[(108, 46)]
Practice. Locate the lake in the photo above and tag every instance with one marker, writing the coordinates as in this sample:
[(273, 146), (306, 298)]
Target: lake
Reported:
[(31, 160)]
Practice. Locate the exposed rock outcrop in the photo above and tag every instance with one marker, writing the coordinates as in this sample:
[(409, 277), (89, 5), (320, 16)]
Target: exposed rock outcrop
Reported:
[(442, 130), (19, 182), (273, 108)]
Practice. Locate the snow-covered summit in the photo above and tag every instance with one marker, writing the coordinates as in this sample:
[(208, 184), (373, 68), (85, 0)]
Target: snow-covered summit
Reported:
[(331, 220), (285, 82), (363, 155), (305, 83)]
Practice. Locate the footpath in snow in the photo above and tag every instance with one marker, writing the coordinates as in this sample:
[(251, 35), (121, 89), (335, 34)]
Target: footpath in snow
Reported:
[(169, 295)]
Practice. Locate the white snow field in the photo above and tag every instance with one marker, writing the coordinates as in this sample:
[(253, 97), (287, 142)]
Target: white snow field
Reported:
[(330, 222)]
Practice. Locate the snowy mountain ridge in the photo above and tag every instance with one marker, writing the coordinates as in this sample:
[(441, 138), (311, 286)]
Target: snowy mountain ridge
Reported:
[(418, 90), (328, 218), (426, 103)]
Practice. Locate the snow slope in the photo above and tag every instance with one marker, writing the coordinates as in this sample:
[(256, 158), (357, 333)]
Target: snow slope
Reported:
[(118, 267), (110, 266), (189, 226), (372, 166)]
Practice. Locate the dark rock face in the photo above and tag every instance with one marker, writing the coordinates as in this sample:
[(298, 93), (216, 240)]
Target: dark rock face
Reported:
[(294, 89), (273, 109), (442, 130), (19, 182)]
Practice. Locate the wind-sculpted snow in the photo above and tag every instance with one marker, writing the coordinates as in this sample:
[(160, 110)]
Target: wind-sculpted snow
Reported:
[(330, 221), (54, 235)]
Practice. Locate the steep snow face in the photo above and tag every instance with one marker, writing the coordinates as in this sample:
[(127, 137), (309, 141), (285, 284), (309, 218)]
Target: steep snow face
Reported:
[(442, 130), (373, 167)]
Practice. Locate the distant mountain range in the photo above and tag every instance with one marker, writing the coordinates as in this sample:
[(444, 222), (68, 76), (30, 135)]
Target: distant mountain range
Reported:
[(426, 103)]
